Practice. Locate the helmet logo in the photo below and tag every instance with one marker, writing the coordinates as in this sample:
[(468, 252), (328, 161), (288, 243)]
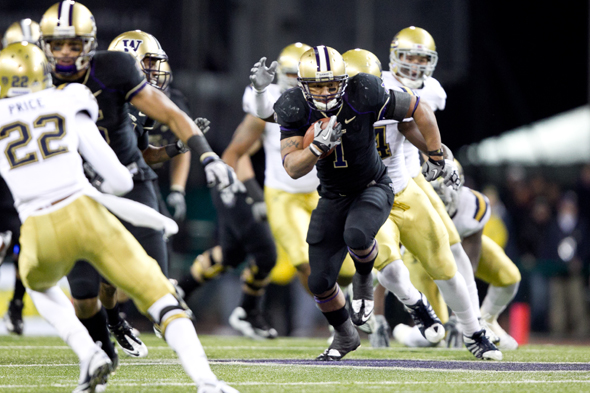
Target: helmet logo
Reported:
[(131, 45)]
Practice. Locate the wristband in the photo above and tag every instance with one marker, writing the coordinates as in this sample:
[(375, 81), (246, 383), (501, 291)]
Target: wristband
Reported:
[(315, 150), (435, 153), (177, 188), (172, 150), (198, 143)]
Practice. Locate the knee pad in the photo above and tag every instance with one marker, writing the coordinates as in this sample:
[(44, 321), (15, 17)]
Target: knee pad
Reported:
[(253, 281), (208, 265), (356, 239), (319, 283)]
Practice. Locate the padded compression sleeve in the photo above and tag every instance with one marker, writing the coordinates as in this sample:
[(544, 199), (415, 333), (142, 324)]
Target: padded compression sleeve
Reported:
[(263, 104), (399, 105)]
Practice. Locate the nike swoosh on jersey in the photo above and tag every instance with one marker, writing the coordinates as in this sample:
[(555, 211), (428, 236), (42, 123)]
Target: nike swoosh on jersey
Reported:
[(346, 121)]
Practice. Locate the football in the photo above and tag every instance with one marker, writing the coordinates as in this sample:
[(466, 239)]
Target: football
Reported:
[(309, 135)]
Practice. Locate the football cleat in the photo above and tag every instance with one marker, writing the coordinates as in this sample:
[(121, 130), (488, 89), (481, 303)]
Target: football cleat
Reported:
[(489, 333), (94, 370), (215, 387), (505, 341), (362, 300), (13, 319), (5, 239), (380, 336), (128, 340), (481, 347), (251, 324), (426, 320), (102, 385), (346, 339)]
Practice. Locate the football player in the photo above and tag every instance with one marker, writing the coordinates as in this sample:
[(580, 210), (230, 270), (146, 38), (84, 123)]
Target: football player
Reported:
[(415, 224), (356, 192), (43, 134), (68, 37), (22, 30), (470, 211), (413, 59), (289, 202)]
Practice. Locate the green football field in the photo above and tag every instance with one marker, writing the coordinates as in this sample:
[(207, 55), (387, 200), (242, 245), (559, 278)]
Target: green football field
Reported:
[(46, 364)]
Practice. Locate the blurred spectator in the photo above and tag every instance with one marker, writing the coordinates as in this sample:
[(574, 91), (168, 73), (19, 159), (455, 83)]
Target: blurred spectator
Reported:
[(568, 233), (583, 191)]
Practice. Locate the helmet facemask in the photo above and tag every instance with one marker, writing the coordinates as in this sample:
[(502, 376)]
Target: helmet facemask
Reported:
[(412, 74), (323, 102), (79, 62), (157, 75)]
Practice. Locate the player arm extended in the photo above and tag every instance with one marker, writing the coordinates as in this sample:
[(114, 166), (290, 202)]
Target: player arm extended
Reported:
[(245, 137), (425, 120)]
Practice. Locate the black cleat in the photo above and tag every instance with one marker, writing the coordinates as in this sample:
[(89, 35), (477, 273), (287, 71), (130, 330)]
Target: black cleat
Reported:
[(346, 339), (13, 319), (426, 320), (481, 347), (251, 324), (362, 300), (127, 339)]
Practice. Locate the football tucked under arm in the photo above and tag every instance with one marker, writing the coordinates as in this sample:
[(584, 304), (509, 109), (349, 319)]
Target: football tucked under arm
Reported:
[(323, 136)]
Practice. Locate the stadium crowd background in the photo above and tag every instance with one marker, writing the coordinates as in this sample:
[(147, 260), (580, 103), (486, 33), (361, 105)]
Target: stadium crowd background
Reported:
[(503, 65)]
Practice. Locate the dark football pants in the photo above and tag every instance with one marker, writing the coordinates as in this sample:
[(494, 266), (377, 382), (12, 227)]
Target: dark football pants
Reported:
[(354, 218)]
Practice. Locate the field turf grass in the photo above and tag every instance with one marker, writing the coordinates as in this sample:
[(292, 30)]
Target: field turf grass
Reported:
[(46, 364)]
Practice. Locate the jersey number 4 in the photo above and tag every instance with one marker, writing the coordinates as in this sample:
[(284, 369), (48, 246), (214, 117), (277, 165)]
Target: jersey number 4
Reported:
[(25, 138)]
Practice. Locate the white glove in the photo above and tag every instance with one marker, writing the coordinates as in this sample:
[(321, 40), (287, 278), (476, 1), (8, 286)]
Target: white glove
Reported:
[(228, 194), (261, 76), (328, 138), (432, 169), (451, 175), (176, 200), (203, 124), (218, 173), (259, 211)]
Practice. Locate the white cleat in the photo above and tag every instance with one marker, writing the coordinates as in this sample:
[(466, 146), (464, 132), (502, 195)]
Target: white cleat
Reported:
[(251, 325), (505, 341), (128, 340), (94, 370), (215, 387), (481, 347)]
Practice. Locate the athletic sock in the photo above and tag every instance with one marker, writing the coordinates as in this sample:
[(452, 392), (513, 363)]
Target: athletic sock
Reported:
[(19, 290), (497, 299), (466, 269), (455, 293), (56, 308), (97, 328), (396, 278), (113, 315)]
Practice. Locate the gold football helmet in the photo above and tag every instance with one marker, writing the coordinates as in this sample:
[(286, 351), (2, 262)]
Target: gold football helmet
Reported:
[(360, 60), (23, 69), (412, 41), (322, 64), (68, 20), (23, 30), (148, 52), (288, 65)]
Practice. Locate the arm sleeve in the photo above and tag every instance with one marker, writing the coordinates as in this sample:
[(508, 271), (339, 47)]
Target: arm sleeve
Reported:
[(94, 149)]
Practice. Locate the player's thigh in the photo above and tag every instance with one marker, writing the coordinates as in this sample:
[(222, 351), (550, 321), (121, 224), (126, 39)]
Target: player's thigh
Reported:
[(423, 233), (439, 206), (47, 247), (495, 267), (289, 217), (326, 244), (388, 239), (119, 257)]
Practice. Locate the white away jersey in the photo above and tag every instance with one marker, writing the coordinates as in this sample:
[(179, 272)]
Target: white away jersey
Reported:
[(434, 95), (473, 211), (37, 128), (275, 175)]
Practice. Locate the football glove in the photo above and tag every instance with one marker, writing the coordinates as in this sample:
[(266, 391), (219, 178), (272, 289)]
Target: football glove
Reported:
[(177, 201), (432, 169), (228, 194), (203, 124), (329, 137), (451, 175), (218, 173), (261, 76), (93, 177)]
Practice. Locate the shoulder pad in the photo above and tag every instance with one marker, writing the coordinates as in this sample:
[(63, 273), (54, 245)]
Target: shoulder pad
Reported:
[(292, 109), (365, 91), (82, 98)]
